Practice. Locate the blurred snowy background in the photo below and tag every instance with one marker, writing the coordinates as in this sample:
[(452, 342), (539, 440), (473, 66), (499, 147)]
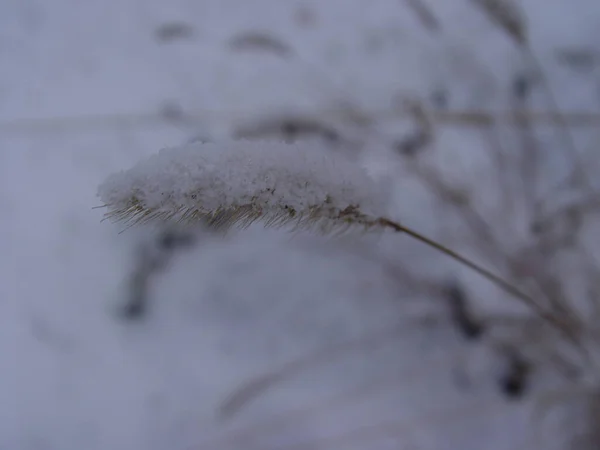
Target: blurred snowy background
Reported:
[(89, 88)]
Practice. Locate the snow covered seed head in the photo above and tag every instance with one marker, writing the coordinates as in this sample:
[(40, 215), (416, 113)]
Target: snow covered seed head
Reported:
[(239, 182)]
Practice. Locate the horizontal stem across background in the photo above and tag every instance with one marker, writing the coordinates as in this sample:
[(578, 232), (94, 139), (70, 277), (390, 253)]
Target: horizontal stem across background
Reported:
[(468, 118)]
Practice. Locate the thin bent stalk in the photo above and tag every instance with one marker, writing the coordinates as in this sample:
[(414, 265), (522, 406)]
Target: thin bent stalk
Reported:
[(248, 391), (324, 218), (492, 277)]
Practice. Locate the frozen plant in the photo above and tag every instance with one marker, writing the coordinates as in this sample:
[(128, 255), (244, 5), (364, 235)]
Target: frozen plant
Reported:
[(239, 182)]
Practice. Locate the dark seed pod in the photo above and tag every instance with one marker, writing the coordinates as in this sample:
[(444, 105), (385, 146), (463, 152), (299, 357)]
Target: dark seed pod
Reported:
[(521, 86), (514, 382), (468, 325)]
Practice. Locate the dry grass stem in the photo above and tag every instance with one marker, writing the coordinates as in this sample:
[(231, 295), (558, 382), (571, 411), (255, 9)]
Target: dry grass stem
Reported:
[(505, 15), (425, 15)]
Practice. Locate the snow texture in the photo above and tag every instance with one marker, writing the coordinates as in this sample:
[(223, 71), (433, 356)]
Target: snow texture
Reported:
[(275, 180)]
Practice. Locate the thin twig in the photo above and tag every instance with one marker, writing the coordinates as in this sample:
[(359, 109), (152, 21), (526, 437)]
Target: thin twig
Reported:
[(475, 118), (252, 389), (495, 279), (425, 15), (570, 146)]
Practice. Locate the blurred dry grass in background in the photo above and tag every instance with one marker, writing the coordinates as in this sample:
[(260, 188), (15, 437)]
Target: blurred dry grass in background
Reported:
[(537, 230), (534, 227)]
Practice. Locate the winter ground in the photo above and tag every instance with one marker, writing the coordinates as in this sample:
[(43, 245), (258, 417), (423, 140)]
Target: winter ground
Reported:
[(83, 89)]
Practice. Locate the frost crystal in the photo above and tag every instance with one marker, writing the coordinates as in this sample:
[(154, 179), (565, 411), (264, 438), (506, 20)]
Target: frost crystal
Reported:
[(239, 182)]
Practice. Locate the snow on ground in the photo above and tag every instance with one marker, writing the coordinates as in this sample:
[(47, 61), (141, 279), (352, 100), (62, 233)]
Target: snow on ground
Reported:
[(74, 375)]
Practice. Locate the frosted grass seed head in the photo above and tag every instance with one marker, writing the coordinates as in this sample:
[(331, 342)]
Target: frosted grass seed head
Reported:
[(239, 182)]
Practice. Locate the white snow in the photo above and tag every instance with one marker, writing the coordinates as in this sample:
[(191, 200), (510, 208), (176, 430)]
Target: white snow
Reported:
[(82, 87), (273, 179)]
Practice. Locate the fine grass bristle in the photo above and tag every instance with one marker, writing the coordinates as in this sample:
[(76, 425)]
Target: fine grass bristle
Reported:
[(322, 218)]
